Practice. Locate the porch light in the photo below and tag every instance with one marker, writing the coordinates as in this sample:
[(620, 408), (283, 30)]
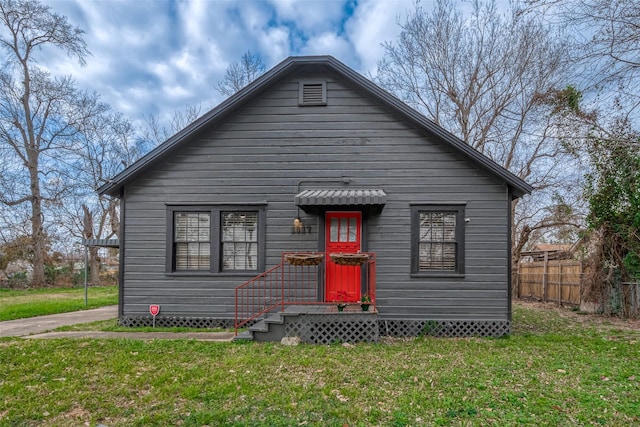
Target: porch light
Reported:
[(298, 226)]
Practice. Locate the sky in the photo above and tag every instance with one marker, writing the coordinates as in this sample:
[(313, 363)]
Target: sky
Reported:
[(154, 57)]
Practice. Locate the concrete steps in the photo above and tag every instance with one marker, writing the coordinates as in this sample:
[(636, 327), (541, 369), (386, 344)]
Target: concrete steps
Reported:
[(316, 325)]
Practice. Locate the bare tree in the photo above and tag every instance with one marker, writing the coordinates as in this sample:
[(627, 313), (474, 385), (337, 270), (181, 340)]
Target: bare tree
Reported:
[(108, 144), (485, 77), (481, 78), (239, 74), (615, 43), (39, 114), (155, 132), (607, 36), (606, 49), (604, 132)]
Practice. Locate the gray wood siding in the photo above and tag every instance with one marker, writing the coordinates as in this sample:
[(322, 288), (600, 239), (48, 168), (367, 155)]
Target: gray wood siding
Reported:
[(261, 152)]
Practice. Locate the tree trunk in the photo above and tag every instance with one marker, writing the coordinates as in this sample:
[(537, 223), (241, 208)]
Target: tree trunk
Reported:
[(46, 102), (37, 228), (114, 217), (597, 275), (94, 266), (32, 155), (94, 257)]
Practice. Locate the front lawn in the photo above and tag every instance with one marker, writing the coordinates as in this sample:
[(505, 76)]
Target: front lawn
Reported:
[(553, 370), (19, 304)]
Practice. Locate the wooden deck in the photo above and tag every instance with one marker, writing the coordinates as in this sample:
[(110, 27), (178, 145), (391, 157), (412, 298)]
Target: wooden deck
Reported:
[(317, 324), (353, 308)]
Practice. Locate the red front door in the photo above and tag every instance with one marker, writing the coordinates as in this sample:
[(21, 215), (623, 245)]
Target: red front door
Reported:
[(343, 235)]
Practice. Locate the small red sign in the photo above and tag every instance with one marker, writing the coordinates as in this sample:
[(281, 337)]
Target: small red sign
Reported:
[(154, 309)]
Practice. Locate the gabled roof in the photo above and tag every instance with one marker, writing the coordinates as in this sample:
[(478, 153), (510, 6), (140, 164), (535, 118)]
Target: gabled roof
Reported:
[(543, 247), (113, 186)]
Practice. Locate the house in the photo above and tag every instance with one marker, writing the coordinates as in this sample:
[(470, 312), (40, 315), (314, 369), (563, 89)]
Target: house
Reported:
[(547, 251), (314, 159)]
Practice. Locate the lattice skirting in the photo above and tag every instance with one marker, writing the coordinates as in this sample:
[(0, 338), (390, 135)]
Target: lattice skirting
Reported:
[(327, 329), (444, 328), (323, 329), (177, 322)]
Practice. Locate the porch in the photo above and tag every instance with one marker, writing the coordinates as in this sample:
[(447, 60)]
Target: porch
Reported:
[(316, 324), (316, 296)]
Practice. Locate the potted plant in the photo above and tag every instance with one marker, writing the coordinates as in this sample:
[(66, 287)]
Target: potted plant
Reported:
[(341, 306), (304, 259), (341, 302), (349, 259), (365, 302)]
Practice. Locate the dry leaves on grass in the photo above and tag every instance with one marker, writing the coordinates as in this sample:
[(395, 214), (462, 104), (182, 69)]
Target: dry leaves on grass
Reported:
[(600, 321)]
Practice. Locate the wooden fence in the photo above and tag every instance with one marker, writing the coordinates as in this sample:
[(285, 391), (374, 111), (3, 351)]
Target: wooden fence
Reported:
[(557, 281)]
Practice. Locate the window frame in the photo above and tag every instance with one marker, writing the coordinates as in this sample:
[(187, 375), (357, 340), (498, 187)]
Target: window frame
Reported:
[(459, 211), (215, 242)]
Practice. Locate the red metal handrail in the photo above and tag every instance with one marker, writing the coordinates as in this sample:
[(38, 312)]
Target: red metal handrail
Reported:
[(261, 291), (287, 284)]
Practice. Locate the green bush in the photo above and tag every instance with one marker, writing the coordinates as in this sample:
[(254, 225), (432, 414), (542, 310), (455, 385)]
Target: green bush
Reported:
[(77, 279), (62, 276), (18, 280), (632, 265)]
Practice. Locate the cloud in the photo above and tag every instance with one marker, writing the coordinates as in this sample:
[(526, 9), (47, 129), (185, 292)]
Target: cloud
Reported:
[(158, 56), (373, 23), (312, 16), (329, 44), (274, 45)]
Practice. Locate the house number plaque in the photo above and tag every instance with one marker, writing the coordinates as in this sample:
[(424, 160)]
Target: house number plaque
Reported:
[(154, 309)]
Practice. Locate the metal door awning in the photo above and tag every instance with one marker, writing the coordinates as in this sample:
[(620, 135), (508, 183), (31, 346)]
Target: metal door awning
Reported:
[(105, 243), (87, 243), (314, 200)]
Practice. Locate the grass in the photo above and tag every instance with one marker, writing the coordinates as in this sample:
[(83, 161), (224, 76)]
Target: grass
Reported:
[(112, 325), (19, 304), (553, 370)]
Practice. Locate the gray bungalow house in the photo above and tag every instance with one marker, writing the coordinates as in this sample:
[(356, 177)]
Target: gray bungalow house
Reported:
[(309, 189)]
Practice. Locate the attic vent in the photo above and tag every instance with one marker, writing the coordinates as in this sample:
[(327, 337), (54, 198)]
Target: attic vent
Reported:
[(313, 93)]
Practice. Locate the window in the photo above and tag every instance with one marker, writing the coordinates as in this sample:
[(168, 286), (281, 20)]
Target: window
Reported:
[(215, 239), (192, 240), (343, 230), (239, 241), (437, 240)]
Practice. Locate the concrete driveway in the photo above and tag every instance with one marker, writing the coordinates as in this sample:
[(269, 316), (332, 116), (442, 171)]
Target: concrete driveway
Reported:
[(35, 325)]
